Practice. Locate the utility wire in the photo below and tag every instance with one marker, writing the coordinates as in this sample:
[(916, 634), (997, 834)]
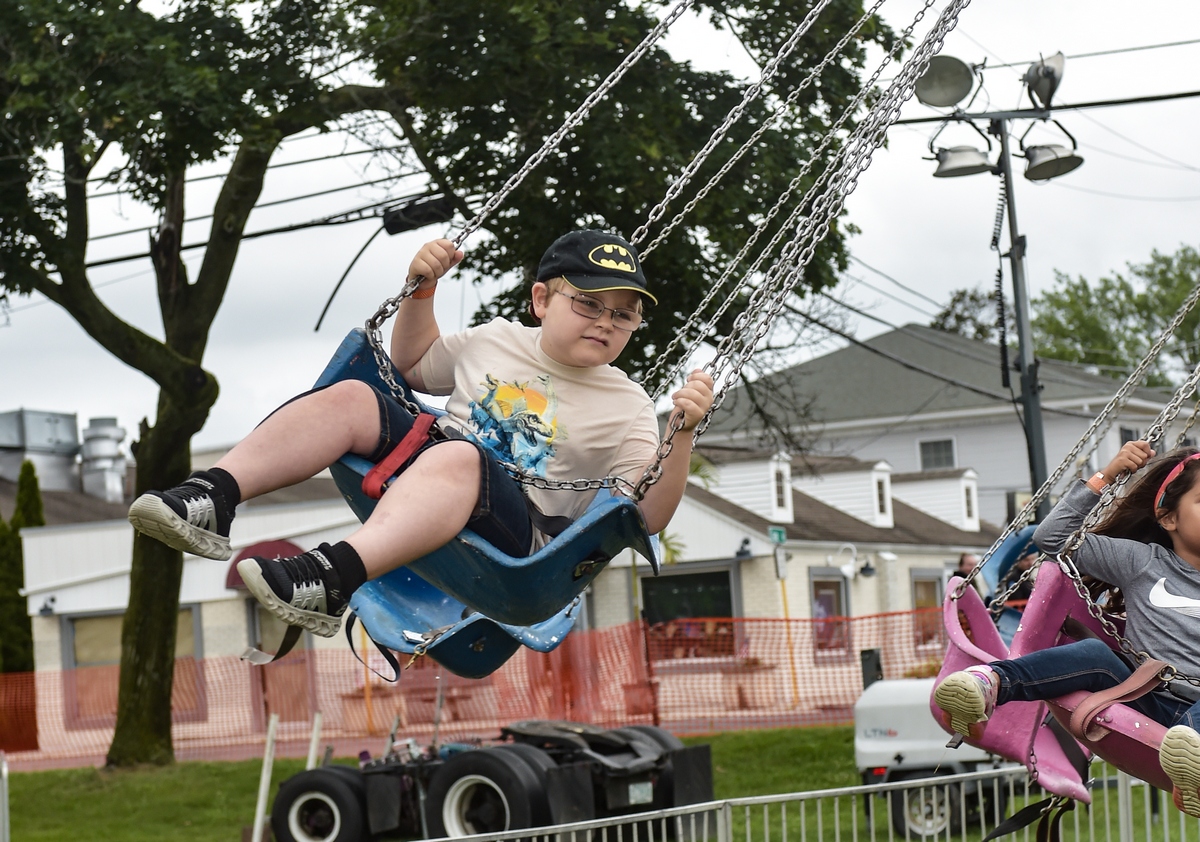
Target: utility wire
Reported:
[(1112, 52), (265, 204), (371, 211), (887, 294), (280, 165), (904, 287)]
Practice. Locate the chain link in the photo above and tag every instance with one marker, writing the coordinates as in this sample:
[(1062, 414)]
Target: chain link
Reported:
[(1103, 419), (749, 95), (690, 328)]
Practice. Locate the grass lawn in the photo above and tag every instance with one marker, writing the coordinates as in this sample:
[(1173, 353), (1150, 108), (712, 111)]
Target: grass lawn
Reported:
[(210, 801)]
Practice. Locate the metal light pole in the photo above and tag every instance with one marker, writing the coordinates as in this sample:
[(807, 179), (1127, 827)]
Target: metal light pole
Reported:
[(1031, 399), (946, 83)]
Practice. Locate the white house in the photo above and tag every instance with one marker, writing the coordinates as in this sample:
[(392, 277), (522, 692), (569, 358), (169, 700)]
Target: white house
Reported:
[(929, 401)]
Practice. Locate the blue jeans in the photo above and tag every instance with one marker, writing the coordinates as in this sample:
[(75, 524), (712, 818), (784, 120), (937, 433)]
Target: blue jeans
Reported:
[(1086, 665)]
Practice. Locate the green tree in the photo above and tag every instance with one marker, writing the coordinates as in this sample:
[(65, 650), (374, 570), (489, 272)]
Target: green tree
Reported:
[(972, 313), (16, 632), (468, 87), (1113, 322)]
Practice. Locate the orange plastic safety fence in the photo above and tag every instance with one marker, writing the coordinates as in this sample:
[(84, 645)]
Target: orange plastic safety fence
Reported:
[(689, 676)]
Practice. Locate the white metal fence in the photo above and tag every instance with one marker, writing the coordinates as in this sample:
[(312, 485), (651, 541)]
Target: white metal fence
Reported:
[(962, 807)]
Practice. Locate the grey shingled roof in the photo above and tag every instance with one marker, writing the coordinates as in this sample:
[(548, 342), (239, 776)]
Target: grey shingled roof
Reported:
[(816, 521), (67, 507), (853, 383)]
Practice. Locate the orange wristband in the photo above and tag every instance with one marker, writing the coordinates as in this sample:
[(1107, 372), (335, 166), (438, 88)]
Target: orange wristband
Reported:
[(1097, 482), (424, 293)]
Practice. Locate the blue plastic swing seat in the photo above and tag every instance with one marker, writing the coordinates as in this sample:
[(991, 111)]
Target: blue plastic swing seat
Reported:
[(517, 601)]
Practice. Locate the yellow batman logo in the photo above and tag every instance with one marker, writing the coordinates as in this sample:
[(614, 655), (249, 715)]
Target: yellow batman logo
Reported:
[(612, 256)]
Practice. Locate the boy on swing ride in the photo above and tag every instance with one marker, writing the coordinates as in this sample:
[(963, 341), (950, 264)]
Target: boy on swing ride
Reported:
[(1148, 545), (547, 400)]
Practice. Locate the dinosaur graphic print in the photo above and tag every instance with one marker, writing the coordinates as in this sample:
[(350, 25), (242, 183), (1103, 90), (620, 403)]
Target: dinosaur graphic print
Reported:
[(518, 422)]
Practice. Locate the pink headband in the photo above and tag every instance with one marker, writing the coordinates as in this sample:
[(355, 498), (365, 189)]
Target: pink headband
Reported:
[(1176, 471)]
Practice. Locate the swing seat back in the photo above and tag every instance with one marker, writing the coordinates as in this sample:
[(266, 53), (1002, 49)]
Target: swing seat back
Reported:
[(510, 591), (1015, 729), (402, 612), (1122, 735)]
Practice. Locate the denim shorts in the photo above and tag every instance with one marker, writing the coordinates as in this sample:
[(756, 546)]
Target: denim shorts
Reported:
[(502, 512)]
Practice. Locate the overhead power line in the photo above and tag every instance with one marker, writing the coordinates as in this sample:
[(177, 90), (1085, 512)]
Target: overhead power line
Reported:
[(887, 277), (371, 211), (280, 165), (1112, 52), (274, 203)]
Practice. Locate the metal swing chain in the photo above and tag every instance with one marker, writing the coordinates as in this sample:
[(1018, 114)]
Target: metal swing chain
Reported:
[(654, 375), (788, 103), (749, 95), (777, 276), (1065, 558), (1187, 426), (831, 202), (857, 155), (1118, 399)]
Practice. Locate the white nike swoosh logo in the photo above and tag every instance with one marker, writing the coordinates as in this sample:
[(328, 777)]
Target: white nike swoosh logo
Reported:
[(1160, 597)]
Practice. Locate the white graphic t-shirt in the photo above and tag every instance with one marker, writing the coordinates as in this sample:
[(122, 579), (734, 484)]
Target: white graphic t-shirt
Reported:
[(550, 420)]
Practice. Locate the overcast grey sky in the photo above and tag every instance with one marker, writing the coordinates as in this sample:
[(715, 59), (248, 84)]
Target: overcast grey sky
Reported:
[(1138, 190)]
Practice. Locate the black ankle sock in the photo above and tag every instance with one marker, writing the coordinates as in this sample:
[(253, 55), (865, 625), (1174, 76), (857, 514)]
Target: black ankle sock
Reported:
[(346, 563), (225, 484)]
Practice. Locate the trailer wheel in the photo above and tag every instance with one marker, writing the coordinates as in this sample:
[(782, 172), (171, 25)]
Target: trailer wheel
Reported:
[(318, 806), (538, 762), (482, 791), (926, 811)]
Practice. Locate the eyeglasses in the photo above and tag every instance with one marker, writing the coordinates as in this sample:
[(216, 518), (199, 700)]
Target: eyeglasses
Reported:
[(592, 308)]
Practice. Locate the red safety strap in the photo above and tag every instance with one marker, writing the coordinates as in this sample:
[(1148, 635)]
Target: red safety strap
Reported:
[(376, 479)]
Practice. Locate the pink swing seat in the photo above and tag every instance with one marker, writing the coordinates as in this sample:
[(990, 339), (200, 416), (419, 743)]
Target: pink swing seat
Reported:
[(1120, 734)]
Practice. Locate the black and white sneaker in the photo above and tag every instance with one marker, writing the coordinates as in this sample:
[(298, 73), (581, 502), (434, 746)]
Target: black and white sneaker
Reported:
[(302, 590), (192, 517)]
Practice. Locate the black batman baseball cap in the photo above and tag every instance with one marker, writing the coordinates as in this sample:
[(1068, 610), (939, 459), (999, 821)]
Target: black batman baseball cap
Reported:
[(594, 261)]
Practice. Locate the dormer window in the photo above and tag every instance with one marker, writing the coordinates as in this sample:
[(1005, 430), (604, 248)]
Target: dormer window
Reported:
[(780, 489), (881, 496), (969, 496)]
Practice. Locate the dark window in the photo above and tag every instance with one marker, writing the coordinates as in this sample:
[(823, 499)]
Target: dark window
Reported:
[(970, 501), (881, 496), (1128, 434), (937, 454), (832, 627), (685, 614), (780, 490)]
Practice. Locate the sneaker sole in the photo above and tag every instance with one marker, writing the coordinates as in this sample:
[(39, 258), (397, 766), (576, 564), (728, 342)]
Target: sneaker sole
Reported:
[(322, 625), (1180, 759), (962, 701), (151, 516)]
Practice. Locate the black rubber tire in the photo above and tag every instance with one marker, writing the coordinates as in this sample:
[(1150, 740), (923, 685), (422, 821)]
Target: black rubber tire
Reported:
[(538, 762), (318, 806), (350, 774), (924, 812), (660, 735), (482, 791)]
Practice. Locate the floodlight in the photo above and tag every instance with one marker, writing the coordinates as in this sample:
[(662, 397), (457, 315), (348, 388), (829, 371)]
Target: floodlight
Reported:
[(946, 82), (961, 160), (1046, 162), (1043, 78)]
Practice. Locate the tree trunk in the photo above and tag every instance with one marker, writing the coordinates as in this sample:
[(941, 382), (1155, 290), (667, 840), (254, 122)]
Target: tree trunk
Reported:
[(143, 732)]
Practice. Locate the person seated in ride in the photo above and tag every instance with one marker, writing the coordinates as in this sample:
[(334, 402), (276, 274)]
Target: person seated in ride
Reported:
[(546, 401), (1148, 545)]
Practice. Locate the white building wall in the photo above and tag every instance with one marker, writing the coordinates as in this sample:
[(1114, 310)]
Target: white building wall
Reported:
[(945, 499), (853, 492), (994, 447), (752, 486)]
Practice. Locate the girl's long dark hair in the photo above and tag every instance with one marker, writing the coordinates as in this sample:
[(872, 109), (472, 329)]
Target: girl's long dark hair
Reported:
[(1134, 514)]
